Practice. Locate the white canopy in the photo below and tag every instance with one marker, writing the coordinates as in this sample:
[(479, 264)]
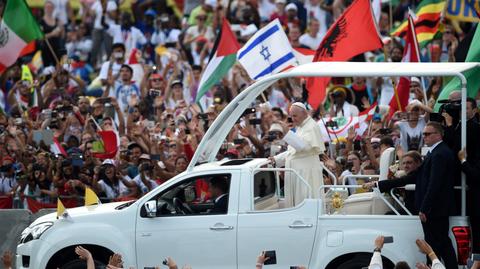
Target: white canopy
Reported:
[(218, 131)]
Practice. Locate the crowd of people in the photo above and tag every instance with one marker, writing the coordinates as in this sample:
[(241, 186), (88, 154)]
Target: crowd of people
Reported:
[(134, 69)]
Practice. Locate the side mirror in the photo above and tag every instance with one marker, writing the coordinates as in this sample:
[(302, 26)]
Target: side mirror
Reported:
[(151, 209)]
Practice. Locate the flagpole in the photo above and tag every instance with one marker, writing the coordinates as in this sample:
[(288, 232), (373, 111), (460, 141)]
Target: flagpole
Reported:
[(51, 50), (415, 41), (395, 92)]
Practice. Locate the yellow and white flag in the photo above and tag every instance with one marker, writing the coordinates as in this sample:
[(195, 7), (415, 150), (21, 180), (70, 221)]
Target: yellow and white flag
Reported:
[(91, 197), (61, 210)]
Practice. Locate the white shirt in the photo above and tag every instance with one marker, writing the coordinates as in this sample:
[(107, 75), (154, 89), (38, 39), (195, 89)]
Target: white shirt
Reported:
[(411, 137), (98, 9), (142, 186), (165, 36), (318, 13), (266, 8), (60, 11), (125, 95), (130, 38), (376, 262), (6, 184), (311, 42), (115, 191), (104, 70), (83, 46)]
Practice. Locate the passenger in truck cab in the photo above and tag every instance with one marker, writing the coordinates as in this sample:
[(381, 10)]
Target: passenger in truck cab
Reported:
[(218, 188)]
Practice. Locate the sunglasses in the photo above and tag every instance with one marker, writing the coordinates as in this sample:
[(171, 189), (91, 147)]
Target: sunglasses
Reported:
[(428, 133)]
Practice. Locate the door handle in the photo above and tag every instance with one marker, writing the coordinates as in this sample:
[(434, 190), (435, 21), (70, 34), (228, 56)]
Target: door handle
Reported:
[(220, 227), (146, 234), (296, 225)]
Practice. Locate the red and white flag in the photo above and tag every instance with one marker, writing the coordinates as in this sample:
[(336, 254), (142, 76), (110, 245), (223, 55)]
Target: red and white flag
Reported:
[(410, 55), (57, 149), (342, 124)]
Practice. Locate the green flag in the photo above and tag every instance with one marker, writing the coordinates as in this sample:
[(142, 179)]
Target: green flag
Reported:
[(472, 75)]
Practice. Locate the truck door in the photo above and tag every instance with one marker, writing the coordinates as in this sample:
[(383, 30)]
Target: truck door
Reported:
[(191, 225), (270, 223)]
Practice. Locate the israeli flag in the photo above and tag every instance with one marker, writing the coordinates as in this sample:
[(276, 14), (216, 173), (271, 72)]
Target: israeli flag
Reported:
[(267, 52)]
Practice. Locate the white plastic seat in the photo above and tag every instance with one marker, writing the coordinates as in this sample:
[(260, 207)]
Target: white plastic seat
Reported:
[(369, 203)]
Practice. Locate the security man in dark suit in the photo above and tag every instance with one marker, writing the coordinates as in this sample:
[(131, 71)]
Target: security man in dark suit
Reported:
[(434, 196), (219, 190)]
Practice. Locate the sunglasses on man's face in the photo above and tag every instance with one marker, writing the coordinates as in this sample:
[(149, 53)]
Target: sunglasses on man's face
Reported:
[(428, 133)]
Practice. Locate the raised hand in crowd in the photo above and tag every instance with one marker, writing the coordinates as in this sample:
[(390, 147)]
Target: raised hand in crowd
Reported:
[(84, 254), (116, 260), (7, 259)]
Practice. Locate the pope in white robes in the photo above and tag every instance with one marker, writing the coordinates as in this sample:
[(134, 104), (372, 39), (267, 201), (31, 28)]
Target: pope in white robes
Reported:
[(305, 144)]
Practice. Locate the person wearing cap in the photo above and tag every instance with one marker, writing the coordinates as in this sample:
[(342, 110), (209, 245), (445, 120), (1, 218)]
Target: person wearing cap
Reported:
[(339, 106), (111, 184), (411, 137), (291, 11), (126, 91), (144, 180), (147, 26), (200, 29), (305, 144), (275, 134), (177, 95), (206, 8), (416, 92)]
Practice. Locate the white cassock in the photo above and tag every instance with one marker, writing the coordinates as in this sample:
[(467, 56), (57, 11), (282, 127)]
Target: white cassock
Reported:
[(302, 155)]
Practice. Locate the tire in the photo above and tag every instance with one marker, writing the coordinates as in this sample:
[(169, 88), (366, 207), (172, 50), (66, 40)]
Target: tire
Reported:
[(357, 262), (81, 264)]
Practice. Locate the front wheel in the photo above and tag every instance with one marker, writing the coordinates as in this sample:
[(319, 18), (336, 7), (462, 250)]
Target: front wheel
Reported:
[(357, 262)]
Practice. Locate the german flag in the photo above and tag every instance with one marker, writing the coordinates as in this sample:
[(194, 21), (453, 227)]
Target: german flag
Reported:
[(428, 15)]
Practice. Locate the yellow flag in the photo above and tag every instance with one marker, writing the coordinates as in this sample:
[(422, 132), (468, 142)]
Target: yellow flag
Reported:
[(91, 197), (60, 208), (26, 74)]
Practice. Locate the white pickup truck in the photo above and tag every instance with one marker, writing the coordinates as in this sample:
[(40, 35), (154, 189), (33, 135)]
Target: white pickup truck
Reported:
[(175, 220)]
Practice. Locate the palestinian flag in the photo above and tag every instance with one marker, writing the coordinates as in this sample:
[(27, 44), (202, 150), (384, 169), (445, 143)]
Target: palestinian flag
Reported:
[(222, 58), (428, 15), (472, 75), (18, 29)]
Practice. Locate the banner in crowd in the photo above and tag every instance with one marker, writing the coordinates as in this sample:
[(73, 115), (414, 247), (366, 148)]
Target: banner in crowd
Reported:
[(463, 10), (334, 128), (35, 205), (6, 202)]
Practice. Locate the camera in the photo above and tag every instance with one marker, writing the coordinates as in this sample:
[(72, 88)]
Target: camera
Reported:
[(349, 165), (255, 121), (165, 262), (249, 111), (6, 168), (452, 108), (385, 131), (202, 116), (332, 124)]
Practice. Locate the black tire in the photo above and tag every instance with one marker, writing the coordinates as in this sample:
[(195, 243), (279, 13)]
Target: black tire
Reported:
[(357, 262), (81, 264)]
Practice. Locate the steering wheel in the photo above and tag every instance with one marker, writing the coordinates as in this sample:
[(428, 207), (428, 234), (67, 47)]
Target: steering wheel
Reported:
[(181, 207)]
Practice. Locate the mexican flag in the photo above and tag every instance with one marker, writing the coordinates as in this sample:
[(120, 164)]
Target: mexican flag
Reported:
[(18, 29), (222, 58)]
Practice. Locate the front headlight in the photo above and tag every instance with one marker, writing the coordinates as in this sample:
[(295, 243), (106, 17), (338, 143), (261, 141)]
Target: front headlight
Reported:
[(34, 232)]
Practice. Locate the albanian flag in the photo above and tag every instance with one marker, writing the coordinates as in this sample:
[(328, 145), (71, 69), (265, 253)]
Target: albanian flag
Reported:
[(354, 32)]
